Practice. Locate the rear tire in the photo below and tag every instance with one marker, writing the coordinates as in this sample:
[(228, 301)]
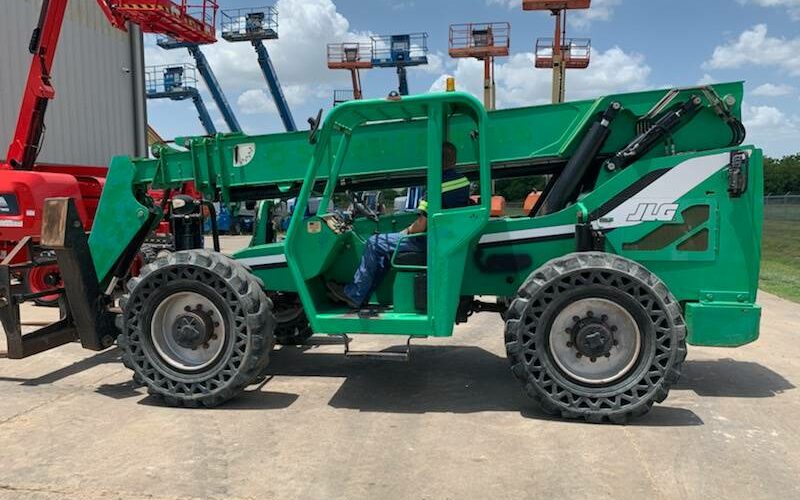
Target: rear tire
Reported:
[(292, 327), (197, 328), (595, 336)]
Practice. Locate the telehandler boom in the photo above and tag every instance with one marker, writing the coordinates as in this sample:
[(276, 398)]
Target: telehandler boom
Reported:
[(647, 237)]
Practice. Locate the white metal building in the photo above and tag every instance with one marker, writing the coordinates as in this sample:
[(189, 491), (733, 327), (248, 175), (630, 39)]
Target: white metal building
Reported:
[(99, 110)]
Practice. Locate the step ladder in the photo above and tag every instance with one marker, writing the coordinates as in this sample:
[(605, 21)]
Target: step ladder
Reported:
[(403, 356)]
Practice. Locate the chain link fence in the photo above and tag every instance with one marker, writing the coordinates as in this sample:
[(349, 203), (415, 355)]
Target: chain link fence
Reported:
[(782, 207)]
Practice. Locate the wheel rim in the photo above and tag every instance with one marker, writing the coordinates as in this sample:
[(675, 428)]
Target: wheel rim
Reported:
[(188, 331), (43, 278), (595, 341)]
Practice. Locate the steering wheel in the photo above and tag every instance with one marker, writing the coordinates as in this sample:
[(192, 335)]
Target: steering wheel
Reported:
[(360, 207), (314, 123)]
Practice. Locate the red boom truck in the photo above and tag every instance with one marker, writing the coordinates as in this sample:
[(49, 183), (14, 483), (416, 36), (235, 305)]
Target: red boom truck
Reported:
[(25, 183)]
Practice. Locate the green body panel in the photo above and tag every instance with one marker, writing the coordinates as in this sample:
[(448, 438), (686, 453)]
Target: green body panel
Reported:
[(120, 218), (703, 239), (738, 321)]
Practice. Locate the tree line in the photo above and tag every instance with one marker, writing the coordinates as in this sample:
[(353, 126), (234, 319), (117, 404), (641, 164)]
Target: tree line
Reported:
[(782, 175)]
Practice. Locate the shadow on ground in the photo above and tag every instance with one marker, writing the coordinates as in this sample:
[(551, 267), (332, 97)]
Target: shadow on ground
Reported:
[(729, 378), (109, 356), (447, 379), (467, 379)]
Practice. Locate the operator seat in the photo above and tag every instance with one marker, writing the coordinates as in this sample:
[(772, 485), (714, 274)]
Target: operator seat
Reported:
[(411, 259)]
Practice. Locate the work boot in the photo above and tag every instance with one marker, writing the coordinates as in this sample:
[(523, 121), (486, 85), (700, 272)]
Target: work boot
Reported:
[(338, 294)]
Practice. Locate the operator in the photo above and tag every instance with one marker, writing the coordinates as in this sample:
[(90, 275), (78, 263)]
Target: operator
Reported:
[(380, 247)]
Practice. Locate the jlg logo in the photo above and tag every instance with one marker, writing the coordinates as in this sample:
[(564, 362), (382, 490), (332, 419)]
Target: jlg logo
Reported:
[(649, 212)]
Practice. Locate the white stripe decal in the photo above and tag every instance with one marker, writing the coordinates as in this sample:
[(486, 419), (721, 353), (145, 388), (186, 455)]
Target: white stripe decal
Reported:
[(669, 188), (263, 261), (524, 234)]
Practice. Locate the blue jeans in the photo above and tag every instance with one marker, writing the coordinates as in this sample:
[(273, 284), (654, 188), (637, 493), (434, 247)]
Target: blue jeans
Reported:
[(376, 261)]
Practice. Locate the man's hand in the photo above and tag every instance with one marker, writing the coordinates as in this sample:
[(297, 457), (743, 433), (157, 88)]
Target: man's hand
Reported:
[(419, 226)]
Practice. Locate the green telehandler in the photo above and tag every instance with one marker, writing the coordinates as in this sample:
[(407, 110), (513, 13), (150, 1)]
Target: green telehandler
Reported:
[(646, 238)]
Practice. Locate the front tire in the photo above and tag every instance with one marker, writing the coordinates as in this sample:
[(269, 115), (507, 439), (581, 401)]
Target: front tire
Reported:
[(595, 336), (197, 328)]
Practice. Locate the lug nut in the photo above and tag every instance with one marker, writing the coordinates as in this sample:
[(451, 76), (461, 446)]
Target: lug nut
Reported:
[(604, 317), (187, 308), (616, 342), (593, 359), (578, 355), (569, 344), (205, 346), (575, 319), (608, 354), (613, 328), (214, 336), (590, 314)]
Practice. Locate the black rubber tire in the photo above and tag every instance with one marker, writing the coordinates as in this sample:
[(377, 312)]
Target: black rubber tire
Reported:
[(292, 327), (248, 320), (645, 297)]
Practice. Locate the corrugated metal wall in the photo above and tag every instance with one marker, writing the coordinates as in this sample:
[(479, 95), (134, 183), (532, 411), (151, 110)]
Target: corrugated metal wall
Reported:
[(92, 117)]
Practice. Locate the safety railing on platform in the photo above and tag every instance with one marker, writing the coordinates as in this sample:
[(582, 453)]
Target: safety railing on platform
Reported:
[(480, 39), (249, 24), (170, 78), (576, 52), (350, 55)]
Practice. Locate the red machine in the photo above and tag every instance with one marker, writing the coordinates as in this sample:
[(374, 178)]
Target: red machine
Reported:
[(24, 183)]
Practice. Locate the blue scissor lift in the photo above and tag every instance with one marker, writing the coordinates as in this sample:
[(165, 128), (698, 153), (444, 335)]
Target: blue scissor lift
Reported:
[(400, 51), (255, 26), (169, 43), (178, 82)]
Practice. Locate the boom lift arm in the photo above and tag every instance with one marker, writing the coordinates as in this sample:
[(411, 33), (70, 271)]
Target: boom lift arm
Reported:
[(170, 17)]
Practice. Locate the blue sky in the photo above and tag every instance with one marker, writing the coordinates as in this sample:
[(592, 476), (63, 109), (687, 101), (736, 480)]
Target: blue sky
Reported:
[(637, 44)]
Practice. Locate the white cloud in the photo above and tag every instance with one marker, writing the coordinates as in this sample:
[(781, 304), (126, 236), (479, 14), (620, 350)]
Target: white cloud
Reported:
[(519, 84), (299, 57), (436, 63), (755, 47), (772, 90), (792, 6), (771, 129), (706, 80), (601, 10), (256, 101)]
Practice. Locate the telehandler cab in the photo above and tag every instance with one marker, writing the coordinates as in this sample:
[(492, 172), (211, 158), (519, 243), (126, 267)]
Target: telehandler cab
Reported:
[(647, 237)]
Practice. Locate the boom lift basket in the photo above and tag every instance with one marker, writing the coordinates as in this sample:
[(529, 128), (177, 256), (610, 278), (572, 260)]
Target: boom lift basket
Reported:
[(576, 53), (400, 50), (349, 55), (240, 25), (191, 21), (480, 40), (173, 81), (555, 4)]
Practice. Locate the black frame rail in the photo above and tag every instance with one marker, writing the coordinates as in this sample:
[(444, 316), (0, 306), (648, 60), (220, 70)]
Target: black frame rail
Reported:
[(86, 317)]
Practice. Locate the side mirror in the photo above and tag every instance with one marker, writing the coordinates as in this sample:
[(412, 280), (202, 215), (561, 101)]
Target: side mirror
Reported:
[(314, 123)]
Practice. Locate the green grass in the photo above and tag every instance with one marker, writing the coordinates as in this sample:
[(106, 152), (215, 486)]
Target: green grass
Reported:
[(780, 259)]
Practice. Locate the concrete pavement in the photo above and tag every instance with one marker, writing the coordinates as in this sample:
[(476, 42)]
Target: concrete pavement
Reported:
[(451, 424)]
